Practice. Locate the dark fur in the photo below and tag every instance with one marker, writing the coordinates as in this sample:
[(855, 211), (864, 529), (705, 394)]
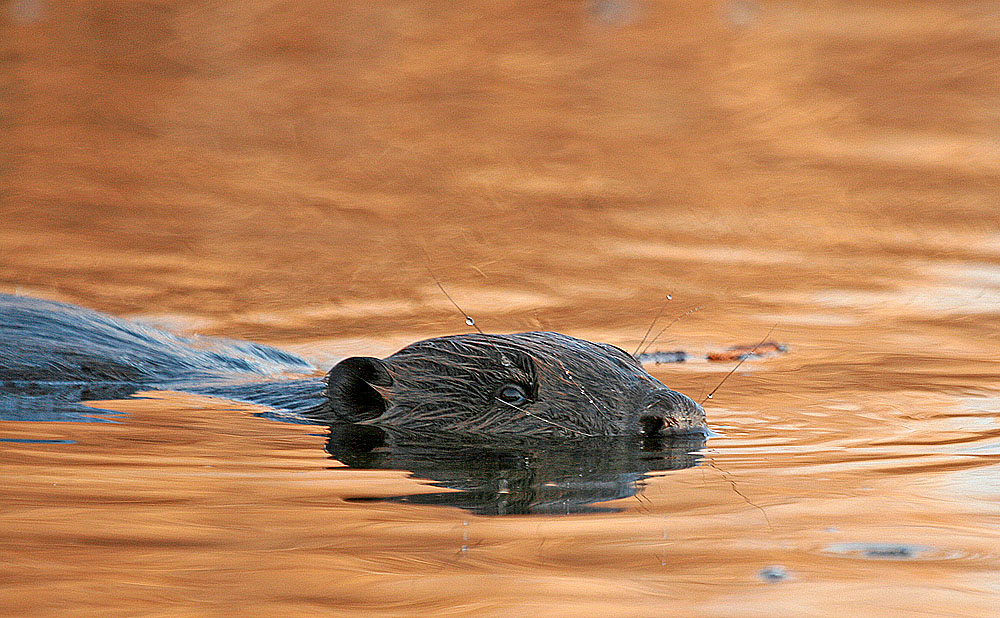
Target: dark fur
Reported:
[(574, 387)]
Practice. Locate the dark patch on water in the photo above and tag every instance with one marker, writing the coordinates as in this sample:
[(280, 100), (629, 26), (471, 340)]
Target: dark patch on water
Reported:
[(660, 358), (880, 551), (774, 573), (514, 476)]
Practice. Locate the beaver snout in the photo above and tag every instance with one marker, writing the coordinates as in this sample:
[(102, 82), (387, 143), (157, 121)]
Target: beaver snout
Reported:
[(669, 412)]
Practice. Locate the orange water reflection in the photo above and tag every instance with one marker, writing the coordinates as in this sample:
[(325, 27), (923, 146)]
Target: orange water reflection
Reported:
[(276, 171)]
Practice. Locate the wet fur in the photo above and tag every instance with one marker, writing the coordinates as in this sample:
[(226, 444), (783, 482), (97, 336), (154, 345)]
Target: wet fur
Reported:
[(575, 388)]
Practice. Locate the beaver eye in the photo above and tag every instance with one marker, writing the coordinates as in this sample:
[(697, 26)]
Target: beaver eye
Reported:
[(513, 394)]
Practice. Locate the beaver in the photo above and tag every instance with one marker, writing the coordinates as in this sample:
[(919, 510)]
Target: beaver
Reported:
[(523, 384)]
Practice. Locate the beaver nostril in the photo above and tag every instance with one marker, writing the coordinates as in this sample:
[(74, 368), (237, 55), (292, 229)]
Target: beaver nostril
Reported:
[(670, 412)]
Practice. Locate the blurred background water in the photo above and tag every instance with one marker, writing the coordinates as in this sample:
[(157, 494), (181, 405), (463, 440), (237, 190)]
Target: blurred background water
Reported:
[(287, 172)]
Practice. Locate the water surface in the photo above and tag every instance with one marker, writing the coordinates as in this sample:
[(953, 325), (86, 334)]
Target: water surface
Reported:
[(287, 173)]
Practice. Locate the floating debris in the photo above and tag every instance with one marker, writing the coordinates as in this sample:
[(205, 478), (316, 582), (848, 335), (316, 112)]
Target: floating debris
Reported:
[(741, 352), (659, 358)]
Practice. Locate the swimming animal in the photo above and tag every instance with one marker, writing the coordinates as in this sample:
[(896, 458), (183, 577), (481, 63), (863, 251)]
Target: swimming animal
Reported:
[(524, 384)]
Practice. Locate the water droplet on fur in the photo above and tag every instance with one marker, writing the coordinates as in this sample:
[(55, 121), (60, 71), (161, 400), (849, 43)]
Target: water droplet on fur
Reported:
[(469, 320), (710, 395), (670, 296)]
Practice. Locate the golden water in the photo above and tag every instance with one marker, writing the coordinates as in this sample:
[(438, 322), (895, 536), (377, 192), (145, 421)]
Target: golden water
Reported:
[(286, 172)]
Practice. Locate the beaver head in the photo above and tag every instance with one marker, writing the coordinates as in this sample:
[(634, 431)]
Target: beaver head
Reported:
[(525, 384)]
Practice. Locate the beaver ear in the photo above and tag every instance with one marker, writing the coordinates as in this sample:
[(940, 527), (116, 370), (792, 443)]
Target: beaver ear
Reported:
[(349, 388)]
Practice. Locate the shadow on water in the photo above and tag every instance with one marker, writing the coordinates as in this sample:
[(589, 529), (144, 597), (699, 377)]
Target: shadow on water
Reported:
[(515, 476)]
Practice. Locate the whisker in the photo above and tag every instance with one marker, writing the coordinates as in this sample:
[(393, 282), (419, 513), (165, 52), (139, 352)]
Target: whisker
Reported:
[(545, 420), (675, 320), (742, 360), (468, 318), (663, 308)]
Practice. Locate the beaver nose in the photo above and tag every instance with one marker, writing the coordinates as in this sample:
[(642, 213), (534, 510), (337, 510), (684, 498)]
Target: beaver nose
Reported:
[(669, 412)]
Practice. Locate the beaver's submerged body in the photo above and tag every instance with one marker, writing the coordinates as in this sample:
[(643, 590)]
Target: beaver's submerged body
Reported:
[(525, 384)]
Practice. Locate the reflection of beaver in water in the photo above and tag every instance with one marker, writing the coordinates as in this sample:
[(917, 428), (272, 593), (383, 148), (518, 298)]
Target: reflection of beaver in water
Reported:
[(527, 384), (513, 475)]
